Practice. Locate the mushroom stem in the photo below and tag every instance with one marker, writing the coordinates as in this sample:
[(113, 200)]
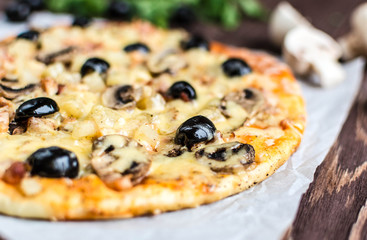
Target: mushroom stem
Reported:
[(326, 72), (354, 44)]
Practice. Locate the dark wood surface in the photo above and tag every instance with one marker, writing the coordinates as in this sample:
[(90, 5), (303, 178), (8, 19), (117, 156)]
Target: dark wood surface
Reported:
[(334, 206)]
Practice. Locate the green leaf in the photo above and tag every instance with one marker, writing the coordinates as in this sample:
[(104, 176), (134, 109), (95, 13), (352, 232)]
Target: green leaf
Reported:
[(230, 15), (253, 8), (226, 12), (58, 5)]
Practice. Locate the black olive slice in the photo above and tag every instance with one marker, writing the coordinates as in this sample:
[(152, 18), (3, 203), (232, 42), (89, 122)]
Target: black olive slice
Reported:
[(81, 21), (141, 47), (235, 67), (94, 65), (30, 35), (36, 107), (196, 42), (195, 130), (54, 162), (181, 90)]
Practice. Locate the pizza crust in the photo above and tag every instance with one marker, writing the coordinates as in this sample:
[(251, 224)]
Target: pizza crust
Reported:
[(89, 198)]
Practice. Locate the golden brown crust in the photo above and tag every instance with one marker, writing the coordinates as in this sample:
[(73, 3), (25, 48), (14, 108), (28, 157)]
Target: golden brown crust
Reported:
[(89, 198)]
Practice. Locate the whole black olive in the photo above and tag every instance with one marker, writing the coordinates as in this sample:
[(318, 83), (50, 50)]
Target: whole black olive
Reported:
[(196, 42), (119, 10), (94, 65), (235, 67), (54, 162), (30, 35), (125, 94), (36, 107), (35, 4), (81, 21), (195, 130), (18, 12), (141, 47), (183, 16), (183, 90)]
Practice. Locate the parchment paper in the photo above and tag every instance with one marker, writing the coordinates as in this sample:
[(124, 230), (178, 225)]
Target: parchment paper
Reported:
[(262, 212)]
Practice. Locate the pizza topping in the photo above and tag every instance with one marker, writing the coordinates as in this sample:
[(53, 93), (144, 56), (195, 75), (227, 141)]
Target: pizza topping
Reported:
[(167, 61), (12, 93), (226, 157), (30, 35), (195, 42), (181, 90), (54, 162), (141, 47), (235, 67), (94, 65), (119, 161), (119, 97), (15, 173), (81, 21), (175, 152), (30, 186), (62, 55), (36, 107), (195, 130), (250, 99)]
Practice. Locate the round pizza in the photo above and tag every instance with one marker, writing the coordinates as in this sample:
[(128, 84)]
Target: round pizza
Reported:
[(115, 120)]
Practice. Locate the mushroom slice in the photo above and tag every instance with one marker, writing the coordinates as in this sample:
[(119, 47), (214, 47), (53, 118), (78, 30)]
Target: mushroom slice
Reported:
[(119, 161), (12, 93), (62, 55), (250, 99), (121, 97), (166, 61), (227, 157)]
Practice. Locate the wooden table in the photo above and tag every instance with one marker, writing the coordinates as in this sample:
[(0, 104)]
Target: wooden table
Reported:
[(334, 206)]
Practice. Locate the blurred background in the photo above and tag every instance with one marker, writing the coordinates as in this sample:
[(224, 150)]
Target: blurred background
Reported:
[(216, 19)]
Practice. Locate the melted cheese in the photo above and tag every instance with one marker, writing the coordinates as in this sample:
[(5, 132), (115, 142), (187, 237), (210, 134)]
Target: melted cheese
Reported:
[(153, 122)]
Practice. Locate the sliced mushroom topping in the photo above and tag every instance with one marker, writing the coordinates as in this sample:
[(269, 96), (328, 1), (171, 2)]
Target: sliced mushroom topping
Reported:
[(12, 93), (121, 97), (119, 161), (8, 80), (227, 157), (63, 55), (250, 99), (167, 61)]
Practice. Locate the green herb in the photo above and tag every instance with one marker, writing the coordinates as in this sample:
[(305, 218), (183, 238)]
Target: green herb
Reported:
[(226, 12)]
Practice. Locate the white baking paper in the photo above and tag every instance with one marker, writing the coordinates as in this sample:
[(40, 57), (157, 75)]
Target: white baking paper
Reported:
[(262, 212)]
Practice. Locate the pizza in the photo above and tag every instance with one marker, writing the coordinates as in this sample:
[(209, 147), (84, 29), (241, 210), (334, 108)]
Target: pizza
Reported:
[(115, 120)]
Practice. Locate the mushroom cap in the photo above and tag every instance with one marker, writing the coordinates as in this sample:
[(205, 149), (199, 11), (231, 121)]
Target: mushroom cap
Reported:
[(282, 20), (310, 51)]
